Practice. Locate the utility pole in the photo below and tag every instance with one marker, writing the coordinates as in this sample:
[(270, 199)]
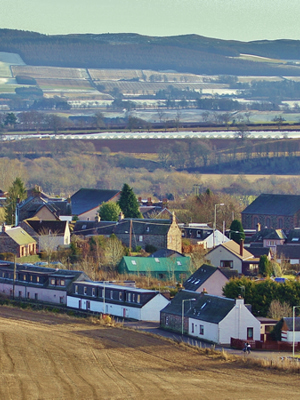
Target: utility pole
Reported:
[(14, 280), (130, 236)]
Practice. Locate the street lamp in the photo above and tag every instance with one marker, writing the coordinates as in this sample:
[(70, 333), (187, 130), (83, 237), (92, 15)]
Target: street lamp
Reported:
[(294, 308), (215, 222), (182, 312)]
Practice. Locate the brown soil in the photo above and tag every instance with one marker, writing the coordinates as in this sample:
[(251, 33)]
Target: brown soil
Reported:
[(43, 356)]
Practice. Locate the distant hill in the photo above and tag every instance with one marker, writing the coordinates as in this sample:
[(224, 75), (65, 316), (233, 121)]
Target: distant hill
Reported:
[(187, 53)]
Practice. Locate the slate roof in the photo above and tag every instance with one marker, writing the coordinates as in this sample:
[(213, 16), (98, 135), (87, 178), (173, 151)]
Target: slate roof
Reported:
[(274, 204), (289, 323), (57, 208), (44, 227), (88, 228), (166, 253), (148, 264), (199, 277), (144, 226), (260, 251), (288, 251), (293, 236), (267, 233), (87, 199), (206, 307), (18, 235)]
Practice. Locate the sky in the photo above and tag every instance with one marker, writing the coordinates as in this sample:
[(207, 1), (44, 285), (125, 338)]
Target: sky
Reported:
[(244, 20)]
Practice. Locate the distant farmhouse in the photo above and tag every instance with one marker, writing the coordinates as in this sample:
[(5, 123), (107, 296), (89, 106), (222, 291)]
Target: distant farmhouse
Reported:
[(277, 211)]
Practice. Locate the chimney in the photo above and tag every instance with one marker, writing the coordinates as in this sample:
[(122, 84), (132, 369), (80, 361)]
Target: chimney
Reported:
[(97, 217), (139, 199), (239, 301), (258, 227), (203, 293), (242, 247), (149, 201)]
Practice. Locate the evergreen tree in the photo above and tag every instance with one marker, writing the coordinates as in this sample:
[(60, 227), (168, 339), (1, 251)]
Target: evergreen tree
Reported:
[(109, 211), (128, 203), (264, 266), (236, 231), (15, 192)]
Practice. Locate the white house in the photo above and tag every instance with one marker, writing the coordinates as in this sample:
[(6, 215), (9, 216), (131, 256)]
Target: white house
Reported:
[(219, 319), (287, 332), (117, 300)]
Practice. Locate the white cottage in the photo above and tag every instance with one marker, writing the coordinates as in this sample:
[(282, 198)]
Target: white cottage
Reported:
[(287, 332), (219, 319), (117, 300)]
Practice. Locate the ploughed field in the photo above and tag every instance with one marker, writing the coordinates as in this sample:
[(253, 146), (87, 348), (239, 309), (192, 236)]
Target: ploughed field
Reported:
[(44, 356)]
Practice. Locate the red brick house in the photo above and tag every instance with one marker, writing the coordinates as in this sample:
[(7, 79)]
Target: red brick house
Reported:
[(15, 240)]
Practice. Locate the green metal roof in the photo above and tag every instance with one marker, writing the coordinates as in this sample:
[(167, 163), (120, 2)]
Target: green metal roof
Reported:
[(149, 264)]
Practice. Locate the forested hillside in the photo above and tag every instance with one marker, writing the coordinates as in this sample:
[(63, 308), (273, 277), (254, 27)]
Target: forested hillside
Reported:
[(189, 53)]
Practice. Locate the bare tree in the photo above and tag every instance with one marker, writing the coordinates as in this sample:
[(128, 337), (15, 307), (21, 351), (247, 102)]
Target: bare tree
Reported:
[(48, 242), (279, 310)]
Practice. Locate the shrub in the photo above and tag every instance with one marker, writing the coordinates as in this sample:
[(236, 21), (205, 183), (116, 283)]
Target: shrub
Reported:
[(150, 248)]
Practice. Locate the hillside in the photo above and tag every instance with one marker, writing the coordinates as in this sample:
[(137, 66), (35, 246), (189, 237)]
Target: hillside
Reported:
[(44, 356), (188, 53)]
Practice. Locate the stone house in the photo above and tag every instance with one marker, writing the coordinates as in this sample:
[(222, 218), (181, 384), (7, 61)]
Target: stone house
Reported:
[(160, 233), (15, 240), (277, 211)]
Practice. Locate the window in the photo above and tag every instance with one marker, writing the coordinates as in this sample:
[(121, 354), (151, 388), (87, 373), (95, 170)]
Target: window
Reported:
[(88, 305), (28, 295), (198, 234), (76, 289), (61, 300), (62, 282), (30, 278), (133, 262), (138, 300), (133, 297), (193, 327), (140, 238), (93, 292), (20, 293), (24, 277), (179, 263), (226, 264), (85, 290), (250, 333), (157, 260), (129, 297), (52, 281), (36, 296), (38, 279), (111, 294), (167, 321), (103, 293), (120, 296), (201, 329)]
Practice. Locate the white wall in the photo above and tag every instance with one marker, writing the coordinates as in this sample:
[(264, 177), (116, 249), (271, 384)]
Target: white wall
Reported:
[(220, 253), (48, 295), (151, 310), (287, 336), (210, 330)]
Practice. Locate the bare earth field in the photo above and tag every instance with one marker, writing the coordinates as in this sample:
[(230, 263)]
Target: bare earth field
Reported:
[(44, 356)]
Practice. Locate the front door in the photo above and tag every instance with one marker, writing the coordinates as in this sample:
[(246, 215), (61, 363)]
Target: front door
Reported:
[(249, 333)]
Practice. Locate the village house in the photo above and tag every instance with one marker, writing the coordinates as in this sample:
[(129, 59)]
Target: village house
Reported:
[(37, 283), (16, 241), (41, 206), (287, 332), (234, 256), (86, 202), (47, 234), (277, 211), (209, 279), (117, 300), (202, 235), (212, 318)]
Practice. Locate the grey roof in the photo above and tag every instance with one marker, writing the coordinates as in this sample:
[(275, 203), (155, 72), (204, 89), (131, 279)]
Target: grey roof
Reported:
[(206, 307), (166, 253), (43, 227), (57, 208), (293, 236), (199, 277), (289, 322), (144, 226), (87, 199), (288, 251), (259, 251), (87, 228), (274, 204), (267, 233)]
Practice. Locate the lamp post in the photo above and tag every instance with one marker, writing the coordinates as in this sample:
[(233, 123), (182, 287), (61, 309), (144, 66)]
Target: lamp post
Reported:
[(182, 312), (215, 223), (294, 309)]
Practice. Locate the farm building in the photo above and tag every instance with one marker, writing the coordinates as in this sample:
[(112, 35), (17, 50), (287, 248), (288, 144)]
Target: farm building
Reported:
[(166, 268), (117, 300)]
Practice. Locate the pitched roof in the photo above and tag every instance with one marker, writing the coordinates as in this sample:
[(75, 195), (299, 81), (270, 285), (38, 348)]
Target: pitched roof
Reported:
[(288, 251), (293, 236), (289, 323), (234, 248), (88, 228), (45, 227), (148, 264), (199, 277), (274, 204), (260, 251), (87, 199), (144, 226), (205, 308), (267, 233), (166, 253), (18, 235)]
